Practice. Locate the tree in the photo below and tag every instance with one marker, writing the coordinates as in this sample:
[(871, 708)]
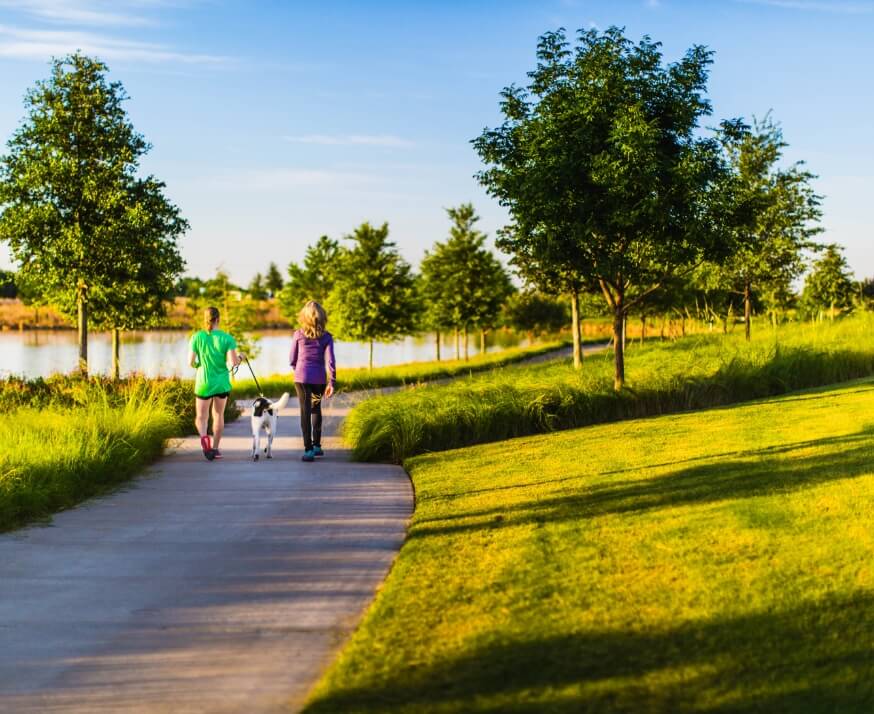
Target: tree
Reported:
[(866, 293), (7, 284), (771, 215), (373, 297), (463, 285), (535, 313), (239, 311), (257, 289), (830, 284), (312, 280), (273, 280), (76, 217), (601, 166)]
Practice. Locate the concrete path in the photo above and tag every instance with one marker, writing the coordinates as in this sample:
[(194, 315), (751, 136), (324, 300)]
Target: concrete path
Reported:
[(200, 587)]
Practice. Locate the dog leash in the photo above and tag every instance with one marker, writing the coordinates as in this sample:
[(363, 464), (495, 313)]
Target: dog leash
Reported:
[(251, 371)]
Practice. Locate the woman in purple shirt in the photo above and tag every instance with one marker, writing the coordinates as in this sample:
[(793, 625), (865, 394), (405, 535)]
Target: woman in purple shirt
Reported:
[(311, 347)]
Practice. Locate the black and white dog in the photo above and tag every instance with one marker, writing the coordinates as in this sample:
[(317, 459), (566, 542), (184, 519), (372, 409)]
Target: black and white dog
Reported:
[(265, 414)]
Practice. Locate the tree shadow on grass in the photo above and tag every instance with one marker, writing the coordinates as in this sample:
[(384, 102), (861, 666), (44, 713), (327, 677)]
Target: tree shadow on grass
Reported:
[(760, 473), (815, 657)]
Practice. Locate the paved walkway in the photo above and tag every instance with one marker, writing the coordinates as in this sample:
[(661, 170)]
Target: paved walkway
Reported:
[(200, 587)]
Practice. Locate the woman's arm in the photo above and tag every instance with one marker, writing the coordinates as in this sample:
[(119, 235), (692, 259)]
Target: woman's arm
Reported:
[(236, 359), (331, 365), (192, 359), (292, 357)]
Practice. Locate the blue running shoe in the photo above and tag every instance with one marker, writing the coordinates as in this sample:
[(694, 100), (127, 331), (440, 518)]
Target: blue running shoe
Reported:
[(317, 451), (308, 455)]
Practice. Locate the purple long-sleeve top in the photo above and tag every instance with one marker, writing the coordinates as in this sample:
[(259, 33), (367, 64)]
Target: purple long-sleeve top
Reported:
[(309, 356)]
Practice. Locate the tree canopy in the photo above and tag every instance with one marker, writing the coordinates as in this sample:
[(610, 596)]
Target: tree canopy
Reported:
[(312, 280), (373, 296), (600, 164), (80, 223)]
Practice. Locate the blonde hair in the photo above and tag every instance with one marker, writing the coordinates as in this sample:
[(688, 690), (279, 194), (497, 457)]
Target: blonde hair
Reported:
[(210, 317), (312, 319)]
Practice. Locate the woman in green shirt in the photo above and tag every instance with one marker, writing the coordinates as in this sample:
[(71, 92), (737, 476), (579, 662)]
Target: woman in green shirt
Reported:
[(210, 349)]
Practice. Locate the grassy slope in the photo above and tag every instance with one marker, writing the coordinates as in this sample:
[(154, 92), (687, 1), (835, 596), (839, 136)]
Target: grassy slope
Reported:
[(349, 380), (708, 562), (662, 377)]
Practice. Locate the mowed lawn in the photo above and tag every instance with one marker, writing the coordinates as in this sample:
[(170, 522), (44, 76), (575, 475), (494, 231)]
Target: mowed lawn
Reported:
[(717, 561)]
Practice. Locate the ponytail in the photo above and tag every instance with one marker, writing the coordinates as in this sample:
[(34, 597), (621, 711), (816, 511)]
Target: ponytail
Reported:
[(210, 317)]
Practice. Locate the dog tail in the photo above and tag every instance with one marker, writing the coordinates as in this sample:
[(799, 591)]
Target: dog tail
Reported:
[(283, 401)]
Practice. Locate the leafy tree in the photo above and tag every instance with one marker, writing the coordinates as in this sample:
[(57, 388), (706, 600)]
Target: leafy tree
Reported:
[(462, 284), (76, 217), (373, 297), (7, 284), (830, 284), (771, 217), (273, 280), (257, 289), (535, 313), (866, 293), (312, 280), (601, 166)]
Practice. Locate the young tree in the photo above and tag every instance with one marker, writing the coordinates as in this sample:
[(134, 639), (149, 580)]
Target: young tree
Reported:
[(239, 311), (602, 168), (257, 289), (373, 297), (771, 215), (7, 284), (535, 313), (311, 281), (273, 280), (830, 284), (75, 216), (463, 284)]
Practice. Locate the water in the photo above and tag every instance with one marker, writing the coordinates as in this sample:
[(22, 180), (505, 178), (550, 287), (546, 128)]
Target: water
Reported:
[(165, 352)]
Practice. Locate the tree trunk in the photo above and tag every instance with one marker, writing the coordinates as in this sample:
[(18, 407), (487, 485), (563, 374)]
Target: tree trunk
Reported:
[(370, 356), (831, 312), (437, 343), (748, 309), (624, 332), (575, 329), (466, 355), (618, 351), (82, 323), (457, 345), (482, 341), (642, 328), (116, 354)]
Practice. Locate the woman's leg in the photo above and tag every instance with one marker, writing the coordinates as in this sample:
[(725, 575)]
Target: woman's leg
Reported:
[(304, 399), (318, 392), (201, 415), (218, 420)]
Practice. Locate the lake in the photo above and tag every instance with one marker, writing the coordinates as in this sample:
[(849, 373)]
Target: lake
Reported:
[(37, 353)]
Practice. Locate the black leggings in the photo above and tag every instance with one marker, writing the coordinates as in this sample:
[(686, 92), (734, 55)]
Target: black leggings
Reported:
[(310, 398)]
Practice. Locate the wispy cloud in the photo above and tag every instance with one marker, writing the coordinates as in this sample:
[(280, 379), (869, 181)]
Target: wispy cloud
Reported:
[(841, 8), (385, 140), (21, 43), (90, 13)]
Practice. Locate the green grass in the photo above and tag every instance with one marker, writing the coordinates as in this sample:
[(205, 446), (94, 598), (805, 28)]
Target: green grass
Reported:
[(65, 439), (349, 380), (717, 561), (662, 377), (54, 457)]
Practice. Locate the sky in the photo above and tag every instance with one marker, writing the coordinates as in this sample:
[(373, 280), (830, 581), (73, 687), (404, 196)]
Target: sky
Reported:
[(273, 123)]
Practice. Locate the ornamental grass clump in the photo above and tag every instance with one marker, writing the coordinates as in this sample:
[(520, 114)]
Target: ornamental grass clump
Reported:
[(54, 457), (693, 373)]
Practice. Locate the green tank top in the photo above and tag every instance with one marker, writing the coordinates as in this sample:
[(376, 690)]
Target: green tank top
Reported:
[(212, 350)]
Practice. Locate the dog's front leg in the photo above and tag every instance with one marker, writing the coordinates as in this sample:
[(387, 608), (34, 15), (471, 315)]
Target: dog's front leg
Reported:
[(271, 427), (256, 440)]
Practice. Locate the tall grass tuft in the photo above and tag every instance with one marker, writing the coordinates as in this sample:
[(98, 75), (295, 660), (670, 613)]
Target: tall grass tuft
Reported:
[(53, 457), (693, 373)]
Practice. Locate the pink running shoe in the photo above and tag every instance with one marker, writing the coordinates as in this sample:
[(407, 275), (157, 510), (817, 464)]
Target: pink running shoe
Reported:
[(206, 445)]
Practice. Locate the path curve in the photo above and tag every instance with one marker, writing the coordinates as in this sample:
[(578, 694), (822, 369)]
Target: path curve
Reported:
[(199, 587)]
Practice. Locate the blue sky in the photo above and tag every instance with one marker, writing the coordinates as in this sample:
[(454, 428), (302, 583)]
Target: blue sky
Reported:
[(276, 122)]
